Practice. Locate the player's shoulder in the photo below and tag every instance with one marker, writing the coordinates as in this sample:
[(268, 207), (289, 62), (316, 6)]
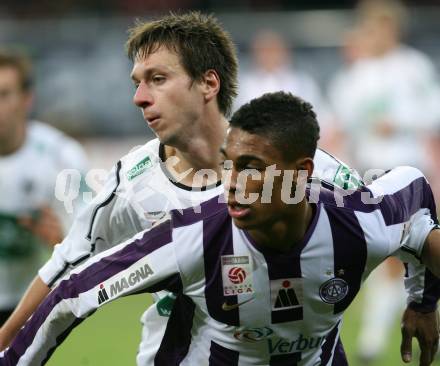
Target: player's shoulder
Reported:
[(140, 159), (334, 171), (48, 141), (45, 135), (415, 60), (391, 188)]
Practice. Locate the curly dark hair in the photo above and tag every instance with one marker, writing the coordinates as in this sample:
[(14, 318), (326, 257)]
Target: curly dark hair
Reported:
[(287, 120)]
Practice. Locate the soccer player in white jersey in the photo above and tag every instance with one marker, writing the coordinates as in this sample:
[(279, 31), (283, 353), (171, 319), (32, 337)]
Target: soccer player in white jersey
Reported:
[(260, 281), (31, 156), (185, 76)]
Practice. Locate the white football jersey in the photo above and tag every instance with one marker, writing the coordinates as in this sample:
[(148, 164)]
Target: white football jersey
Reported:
[(27, 182), (238, 303)]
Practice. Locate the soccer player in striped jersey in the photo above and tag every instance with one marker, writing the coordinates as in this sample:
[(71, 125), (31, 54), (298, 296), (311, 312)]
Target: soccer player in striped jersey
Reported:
[(257, 281), (184, 96)]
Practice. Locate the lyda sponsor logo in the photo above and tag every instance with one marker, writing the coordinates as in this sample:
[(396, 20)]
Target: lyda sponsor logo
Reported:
[(139, 168)]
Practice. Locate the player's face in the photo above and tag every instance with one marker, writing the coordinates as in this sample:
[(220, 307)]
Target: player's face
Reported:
[(14, 103), (171, 103), (255, 203)]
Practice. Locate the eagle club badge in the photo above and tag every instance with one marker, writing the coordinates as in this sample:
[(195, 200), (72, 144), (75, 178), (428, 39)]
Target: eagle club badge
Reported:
[(236, 275)]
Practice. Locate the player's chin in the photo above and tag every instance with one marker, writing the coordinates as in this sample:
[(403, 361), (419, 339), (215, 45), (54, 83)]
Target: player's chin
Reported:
[(241, 224), (245, 223)]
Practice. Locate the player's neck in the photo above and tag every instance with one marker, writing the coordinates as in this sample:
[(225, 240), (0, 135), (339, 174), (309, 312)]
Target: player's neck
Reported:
[(287, 232), (13, 142), (199, 152)]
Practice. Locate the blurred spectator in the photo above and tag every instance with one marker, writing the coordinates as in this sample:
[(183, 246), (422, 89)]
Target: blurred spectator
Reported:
[(31, 156), (387, 100), (387, 103), (272, 70)]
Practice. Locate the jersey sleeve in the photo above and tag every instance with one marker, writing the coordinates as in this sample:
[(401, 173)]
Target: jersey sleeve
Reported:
[(109, 219), (145, 263), (422, 286), (409, 209)]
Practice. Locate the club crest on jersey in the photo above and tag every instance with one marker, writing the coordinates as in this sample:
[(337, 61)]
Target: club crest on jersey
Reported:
[(286, 293), (236, 275), (333, 290)]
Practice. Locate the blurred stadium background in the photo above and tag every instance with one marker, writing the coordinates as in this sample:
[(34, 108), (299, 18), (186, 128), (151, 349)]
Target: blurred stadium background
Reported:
[(83, 88)]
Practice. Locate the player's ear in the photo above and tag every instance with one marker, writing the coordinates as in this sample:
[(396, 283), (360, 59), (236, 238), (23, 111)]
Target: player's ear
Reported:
[(306, 164), (210, 84)]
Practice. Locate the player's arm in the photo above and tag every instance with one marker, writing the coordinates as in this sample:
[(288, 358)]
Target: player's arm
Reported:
[(34, 295), (80, 243), (50, 222), (420, 319), (408, 200), (431, 252), (45, 225), (145, 263)]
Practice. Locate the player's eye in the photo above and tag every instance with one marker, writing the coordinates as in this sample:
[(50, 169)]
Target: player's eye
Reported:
[(158, 79)]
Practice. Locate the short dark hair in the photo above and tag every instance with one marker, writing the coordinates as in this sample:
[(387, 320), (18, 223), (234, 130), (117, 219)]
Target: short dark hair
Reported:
[(21, 63), (199, 41), (287, 120)]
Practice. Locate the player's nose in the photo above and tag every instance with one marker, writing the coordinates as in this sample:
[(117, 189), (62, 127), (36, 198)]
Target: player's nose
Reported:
[(230, 181), (143, 96)]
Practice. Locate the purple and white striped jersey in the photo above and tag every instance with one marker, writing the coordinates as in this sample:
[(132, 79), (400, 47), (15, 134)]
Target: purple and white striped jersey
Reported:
[(238, 303), (137, 193)]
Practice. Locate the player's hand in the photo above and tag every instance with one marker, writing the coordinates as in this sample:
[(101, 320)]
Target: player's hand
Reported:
[(46, 226), (425, 327)]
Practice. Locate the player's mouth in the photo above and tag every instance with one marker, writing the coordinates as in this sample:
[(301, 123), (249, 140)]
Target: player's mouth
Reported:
[(152, 120), (238, 211)]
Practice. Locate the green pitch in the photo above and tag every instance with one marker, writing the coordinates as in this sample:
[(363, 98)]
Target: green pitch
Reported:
[(111, 336)]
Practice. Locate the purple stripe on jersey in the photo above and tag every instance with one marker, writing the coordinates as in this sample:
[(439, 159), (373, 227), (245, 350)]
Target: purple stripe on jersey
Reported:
[(350, 252), (290, 359), (221, 356), (286, 266), (431, 288), (217, 241), (396, 207), (89, 278), (340, 358), (191, 215), (177, 338), (328, 345)]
